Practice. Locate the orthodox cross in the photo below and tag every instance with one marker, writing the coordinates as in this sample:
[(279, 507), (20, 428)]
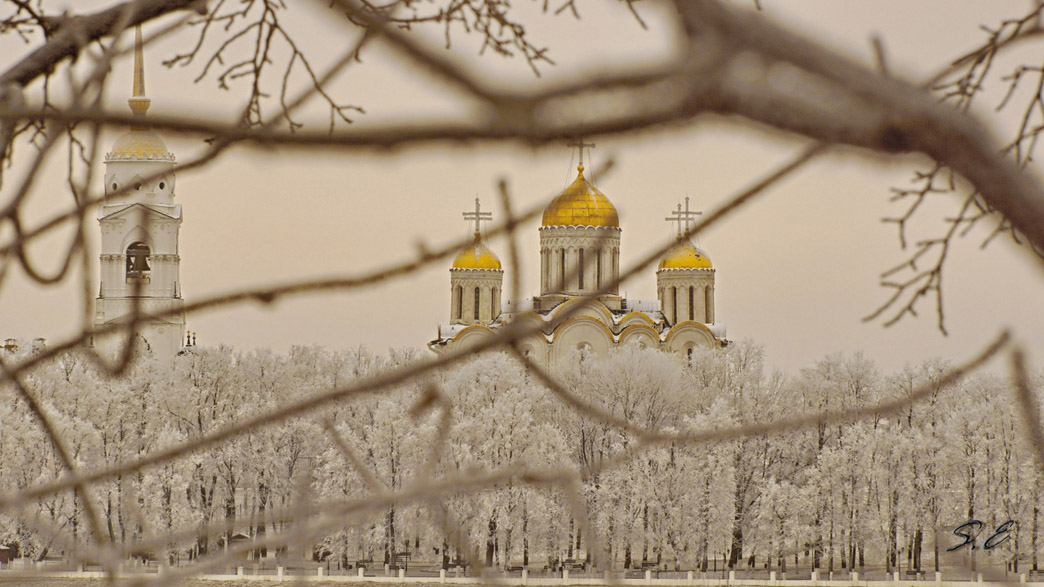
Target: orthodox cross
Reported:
[(686, 215), (478, 215), (580, 144)]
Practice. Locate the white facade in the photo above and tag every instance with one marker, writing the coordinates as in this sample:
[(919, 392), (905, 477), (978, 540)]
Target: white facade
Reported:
[(475, 295), (686, 294), (577, 261)]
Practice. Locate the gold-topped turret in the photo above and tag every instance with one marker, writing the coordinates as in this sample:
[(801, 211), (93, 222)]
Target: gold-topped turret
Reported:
[(477, 255)]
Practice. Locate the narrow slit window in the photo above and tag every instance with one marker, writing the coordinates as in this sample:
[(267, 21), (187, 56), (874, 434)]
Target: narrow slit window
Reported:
[(460, 302), (598, 270), (692, 310), (580, 269), (477, 299), (562, 268)]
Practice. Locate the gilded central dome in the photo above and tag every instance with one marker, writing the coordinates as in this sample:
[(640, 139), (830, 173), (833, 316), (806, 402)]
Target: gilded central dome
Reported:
[(139, 145), (476, 256), (686, 256), (581, 204)]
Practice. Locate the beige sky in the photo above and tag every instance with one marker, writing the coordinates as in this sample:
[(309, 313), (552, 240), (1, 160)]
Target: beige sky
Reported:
[(796, 272)]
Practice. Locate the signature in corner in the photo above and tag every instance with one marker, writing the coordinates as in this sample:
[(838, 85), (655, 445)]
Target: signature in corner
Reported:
[(971, 529)]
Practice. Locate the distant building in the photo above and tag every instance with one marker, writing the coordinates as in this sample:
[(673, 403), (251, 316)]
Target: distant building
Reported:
[(580, 255), (139, 234)]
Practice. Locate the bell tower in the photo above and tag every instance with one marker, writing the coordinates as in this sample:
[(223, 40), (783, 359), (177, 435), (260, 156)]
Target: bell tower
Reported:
[(139, 224)]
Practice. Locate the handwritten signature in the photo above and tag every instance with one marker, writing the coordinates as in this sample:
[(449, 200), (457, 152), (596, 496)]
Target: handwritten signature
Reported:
[(1000, 535)]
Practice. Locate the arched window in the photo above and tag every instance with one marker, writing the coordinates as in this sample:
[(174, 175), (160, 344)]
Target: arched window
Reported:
[(138, 260), (492, 303), (688, 352), (477, 300), (674, 303), (580, 269), (692, 299), (460, 302)]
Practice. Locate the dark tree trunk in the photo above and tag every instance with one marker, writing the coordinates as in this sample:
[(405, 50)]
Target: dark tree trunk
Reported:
[(917, 544), (525, 536), (490, 537)]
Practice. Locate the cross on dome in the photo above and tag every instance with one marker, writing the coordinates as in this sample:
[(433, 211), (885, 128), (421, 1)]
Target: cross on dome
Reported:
[(478, 216), (688, 216), (580, 144)]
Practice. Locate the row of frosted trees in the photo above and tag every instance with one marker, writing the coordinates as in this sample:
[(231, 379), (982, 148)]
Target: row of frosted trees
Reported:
[(484, 463)]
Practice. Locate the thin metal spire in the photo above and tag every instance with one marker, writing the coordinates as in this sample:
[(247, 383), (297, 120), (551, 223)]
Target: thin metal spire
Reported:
[(139, 104)]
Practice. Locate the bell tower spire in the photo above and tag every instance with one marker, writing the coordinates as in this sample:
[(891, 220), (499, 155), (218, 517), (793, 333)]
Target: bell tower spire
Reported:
[(139, 104)]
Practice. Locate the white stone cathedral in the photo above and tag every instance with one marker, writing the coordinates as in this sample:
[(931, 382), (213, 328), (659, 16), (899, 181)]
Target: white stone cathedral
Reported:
[(580, 255), (139, 234)]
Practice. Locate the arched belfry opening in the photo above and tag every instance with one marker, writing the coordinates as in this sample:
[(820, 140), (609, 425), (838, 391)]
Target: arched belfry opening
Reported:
[(138, 260)]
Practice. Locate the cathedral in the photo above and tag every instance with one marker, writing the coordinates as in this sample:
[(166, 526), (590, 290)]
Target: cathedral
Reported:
[(579, 257), (580, 238), (139, 235)]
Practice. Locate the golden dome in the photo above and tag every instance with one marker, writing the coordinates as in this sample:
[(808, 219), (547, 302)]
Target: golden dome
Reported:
[(581, 204), (140, 145), (476, 256), (685, 256)]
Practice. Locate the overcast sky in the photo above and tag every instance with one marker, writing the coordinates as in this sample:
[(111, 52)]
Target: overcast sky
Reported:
[(796, 272)]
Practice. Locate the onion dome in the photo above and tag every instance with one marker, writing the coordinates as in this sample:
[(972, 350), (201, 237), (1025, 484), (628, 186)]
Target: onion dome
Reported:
[(476, 256), (685, 256), (581, 204)]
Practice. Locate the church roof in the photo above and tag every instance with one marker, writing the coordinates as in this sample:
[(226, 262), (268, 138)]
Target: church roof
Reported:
[(685, 256), (139, 145), (164, 210), (581, 204), (477, 256)]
